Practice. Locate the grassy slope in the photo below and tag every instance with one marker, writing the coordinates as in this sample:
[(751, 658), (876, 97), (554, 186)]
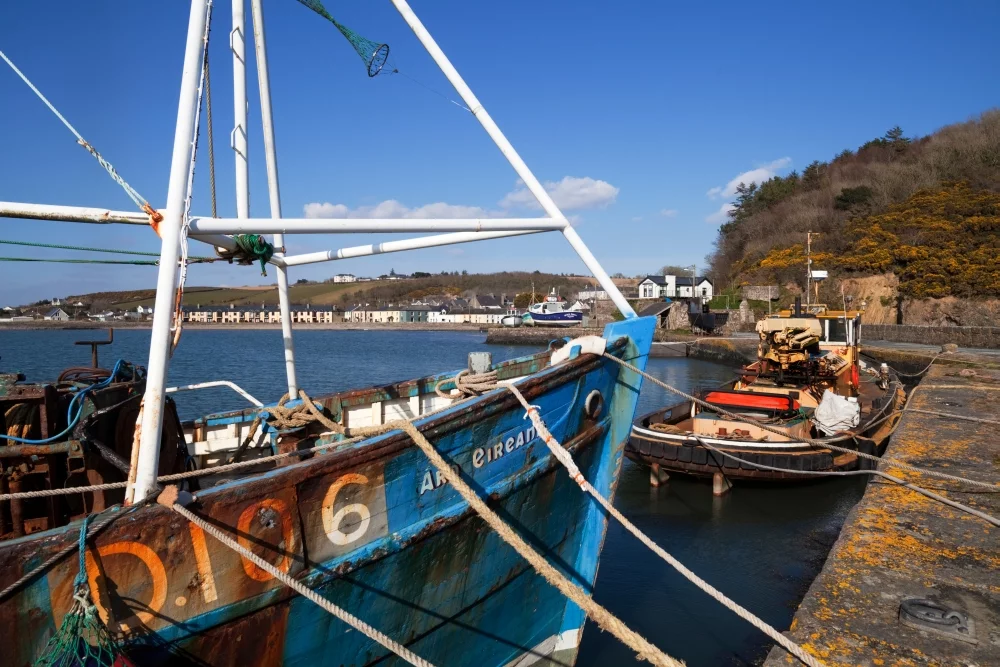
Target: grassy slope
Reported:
[(341, 293), (315, 294)]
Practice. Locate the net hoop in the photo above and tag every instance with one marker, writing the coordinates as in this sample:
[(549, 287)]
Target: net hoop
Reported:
[(378, 60)]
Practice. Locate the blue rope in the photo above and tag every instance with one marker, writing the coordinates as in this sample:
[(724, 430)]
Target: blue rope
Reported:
[(70, 417), (81, 575)]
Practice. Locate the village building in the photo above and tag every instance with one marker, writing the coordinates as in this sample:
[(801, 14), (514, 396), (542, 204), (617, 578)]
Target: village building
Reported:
[(676, 287), (485, 302)]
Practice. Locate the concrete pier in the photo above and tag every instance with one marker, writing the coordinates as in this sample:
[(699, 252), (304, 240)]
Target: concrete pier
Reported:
[(898, 546)]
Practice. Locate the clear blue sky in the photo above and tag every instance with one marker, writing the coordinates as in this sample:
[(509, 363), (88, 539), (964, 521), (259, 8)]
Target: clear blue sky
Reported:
[(632, 109)]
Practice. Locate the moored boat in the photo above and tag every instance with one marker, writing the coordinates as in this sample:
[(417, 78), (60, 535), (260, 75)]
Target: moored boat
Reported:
[(325, 495), (808, 383), (370, 525), (511, 320)]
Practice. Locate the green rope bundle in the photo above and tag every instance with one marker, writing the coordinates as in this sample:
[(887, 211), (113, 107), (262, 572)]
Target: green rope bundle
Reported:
[(372, 53), (82, 639), (254, 247)]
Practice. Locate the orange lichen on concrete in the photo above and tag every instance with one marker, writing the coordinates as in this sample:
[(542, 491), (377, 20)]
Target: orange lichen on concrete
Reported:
[(898, 543)]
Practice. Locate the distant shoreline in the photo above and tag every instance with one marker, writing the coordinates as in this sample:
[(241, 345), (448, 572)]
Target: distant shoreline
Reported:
[(42, 325)]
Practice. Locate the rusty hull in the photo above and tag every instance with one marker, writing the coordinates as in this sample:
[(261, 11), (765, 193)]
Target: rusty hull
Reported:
[(371, 526)]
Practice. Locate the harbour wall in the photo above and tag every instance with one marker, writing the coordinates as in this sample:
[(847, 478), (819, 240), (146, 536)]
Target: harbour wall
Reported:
[(983, 337), (897, 546)]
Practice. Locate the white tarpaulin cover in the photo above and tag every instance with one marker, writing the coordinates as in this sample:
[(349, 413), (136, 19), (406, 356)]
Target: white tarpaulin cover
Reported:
[(836, 413)]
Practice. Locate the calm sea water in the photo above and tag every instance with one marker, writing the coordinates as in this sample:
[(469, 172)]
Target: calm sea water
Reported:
[(760, 545)]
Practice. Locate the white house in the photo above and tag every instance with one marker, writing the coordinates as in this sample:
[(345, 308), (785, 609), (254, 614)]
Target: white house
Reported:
[(702, 288), (57, 314), (344, 278), (441, 316), (658, 287), (592, 294), (674, 287)]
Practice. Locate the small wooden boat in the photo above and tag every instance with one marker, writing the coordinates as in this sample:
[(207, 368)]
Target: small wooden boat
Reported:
[(808, 382)]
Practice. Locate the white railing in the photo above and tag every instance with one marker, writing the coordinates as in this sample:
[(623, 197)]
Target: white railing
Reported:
[(216, 383)]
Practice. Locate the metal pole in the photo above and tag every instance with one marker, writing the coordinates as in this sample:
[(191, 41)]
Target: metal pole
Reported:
[(544, 200), (808, 265), (271, 159), (199, 226), (166, 282), (396, 246), (101, 216), (238, 138)]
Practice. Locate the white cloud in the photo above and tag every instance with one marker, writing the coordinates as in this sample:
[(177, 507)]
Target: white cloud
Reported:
[(720, 216), (637, 218), (570, 194), (669, 213), (758, 176), (391, 208)]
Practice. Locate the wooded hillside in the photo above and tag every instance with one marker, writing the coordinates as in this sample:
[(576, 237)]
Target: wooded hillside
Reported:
[(926, 209)]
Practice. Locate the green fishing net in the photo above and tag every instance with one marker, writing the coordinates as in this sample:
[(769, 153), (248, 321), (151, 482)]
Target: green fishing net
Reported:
[(82, 639), (372, 53), (254, 247)]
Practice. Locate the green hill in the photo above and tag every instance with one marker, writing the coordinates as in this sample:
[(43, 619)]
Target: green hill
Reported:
[(347, 294), (926, 209)]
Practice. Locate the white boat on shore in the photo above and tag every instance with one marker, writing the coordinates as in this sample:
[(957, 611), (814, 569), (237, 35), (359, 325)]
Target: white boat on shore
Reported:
[(553, 312), (512, 320)]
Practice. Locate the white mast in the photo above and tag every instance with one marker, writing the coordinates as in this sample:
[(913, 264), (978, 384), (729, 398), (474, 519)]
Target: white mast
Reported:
[(271, 158), (166, 282), (238, 137), (544, 200)]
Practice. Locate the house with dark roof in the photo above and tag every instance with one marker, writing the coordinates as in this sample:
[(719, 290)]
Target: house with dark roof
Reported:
[(486, 302), (676, 287)]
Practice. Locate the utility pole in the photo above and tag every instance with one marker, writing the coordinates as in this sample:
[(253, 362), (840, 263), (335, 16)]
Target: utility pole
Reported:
[(808, 265)]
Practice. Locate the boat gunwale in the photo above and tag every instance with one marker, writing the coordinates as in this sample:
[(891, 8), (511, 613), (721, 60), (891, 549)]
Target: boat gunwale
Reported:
[(448, 421), (378, 447)]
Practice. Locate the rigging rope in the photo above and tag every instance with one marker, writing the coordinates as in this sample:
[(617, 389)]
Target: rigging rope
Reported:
[(140, 253), (154, 216), (846, 473), (808, 441), (138, 262), (211, 139), (564, 457), (169, 499)]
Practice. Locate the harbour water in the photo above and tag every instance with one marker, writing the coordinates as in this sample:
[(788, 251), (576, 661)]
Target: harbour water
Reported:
[(761, 545)]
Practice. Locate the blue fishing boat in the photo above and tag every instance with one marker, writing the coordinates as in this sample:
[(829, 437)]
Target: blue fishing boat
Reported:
[(371, 526), (311, 530)]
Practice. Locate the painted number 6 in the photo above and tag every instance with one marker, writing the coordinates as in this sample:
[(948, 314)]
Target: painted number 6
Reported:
[(333, 520)]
